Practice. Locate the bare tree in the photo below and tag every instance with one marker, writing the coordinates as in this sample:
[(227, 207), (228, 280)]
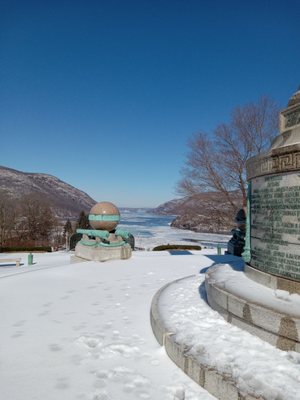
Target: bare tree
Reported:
[(38, 220), (7, 218), (217, 163)]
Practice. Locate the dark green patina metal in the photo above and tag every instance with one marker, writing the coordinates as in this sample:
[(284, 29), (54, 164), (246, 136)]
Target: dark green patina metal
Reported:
[(104, 217), (247, 248), (104, 236), (94, 233)]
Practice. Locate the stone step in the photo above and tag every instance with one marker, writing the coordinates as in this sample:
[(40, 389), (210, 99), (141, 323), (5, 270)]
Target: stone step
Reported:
[(272, 315), (221, 385)]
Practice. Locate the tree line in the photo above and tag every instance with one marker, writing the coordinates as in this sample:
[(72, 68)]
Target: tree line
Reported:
[(30, 221)]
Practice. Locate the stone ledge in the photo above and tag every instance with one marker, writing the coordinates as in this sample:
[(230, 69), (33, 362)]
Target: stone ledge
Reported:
[(102, 253), (272, 281), (219, 385), (277, 328)]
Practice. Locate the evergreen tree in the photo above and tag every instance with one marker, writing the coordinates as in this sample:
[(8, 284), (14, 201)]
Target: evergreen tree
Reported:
[(83, 221), (68, 228)]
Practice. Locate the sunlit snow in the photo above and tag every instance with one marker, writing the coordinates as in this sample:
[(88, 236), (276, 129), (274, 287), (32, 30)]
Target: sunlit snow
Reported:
[(82, 330)]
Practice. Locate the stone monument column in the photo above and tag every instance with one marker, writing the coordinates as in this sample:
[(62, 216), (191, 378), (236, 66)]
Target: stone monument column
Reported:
[(273, 236), (272, 245)]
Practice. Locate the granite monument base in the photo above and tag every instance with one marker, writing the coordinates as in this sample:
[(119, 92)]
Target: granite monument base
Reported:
[(266, 317), (101, 253), (272, 281)]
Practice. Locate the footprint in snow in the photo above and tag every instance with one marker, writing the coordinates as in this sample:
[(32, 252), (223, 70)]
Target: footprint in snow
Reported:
[(144, 395), (79, 327), (108, 325), (179, 394), (19, 323), (89, 341), (55, 347), (47, 304), (62, 384), (76, 359), (17, 334), (100, 383), (43, 314), (118, 349), (102, 395)]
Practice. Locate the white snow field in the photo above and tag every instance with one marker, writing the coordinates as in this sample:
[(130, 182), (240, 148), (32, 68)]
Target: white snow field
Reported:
[(82, 331)]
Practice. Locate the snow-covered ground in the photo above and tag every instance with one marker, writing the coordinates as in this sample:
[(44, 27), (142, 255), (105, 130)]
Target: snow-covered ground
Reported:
[(82, 331), (256, 366)]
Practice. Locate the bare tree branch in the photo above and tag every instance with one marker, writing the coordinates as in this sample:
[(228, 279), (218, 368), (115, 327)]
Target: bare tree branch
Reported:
[(217, 162)]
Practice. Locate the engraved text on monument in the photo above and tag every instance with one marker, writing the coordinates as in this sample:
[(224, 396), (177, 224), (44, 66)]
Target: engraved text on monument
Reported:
[(275, 224)]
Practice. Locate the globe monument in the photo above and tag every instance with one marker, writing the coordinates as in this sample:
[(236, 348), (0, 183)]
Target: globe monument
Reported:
[(103, 242)]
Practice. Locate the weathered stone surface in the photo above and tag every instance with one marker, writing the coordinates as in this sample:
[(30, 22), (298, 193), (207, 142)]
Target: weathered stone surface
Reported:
[(278, 160), (270, 324), (272, 281), (275, 224), (102, 253), (275, 200)]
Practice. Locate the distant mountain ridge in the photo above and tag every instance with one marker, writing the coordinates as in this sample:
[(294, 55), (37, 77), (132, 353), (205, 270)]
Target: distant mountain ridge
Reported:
[(196, 203), (65, 200), (203, 212)]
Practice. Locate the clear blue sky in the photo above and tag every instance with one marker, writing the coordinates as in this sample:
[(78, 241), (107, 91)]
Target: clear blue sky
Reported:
[(106, 94)]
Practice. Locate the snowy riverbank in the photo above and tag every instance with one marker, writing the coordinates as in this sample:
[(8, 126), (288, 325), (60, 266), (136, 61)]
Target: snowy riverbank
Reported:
[(153, 230)]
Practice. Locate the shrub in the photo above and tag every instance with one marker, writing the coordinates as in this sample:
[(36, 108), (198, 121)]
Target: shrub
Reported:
[(176, 247), (25, 248)]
